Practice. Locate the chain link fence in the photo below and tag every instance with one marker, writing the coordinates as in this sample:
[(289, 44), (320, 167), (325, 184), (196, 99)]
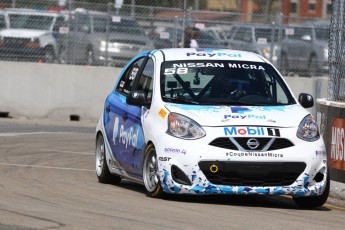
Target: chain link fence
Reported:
[(292, 34)]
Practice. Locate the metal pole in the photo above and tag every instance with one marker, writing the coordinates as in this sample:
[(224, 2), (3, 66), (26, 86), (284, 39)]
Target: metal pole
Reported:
[(272, 41), (184, 21), (133, 8), (107, 34), (196, 4)]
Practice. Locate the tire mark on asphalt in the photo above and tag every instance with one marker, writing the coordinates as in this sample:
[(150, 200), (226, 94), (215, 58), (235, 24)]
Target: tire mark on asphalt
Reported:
[(58, 224), (46, 167), (63, 151), (135, 220)]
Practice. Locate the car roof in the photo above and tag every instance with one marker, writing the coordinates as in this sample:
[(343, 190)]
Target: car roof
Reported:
[(30, 11), (210, 54)]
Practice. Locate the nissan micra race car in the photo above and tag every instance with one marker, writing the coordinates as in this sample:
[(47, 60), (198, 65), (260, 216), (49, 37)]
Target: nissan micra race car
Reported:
[(210, 121)]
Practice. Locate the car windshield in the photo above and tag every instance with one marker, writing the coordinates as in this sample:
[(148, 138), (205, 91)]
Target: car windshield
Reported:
[(266, 33), (223, 83), (36, 22), (121, 26), (2, 22), (322, 34)]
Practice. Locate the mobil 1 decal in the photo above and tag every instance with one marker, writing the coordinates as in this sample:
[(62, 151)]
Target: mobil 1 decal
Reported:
[(251, 131)]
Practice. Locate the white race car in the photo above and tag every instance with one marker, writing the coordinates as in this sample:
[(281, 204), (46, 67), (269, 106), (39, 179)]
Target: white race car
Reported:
[(210, 121)]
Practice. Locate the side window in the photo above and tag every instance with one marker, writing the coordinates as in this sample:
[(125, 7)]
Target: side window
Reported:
[(60, 22), (2, 22), (82, 23), (146, 79), (127, 80), (243, 34)]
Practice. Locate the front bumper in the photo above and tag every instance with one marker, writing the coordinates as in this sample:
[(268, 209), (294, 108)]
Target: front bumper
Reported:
[(21, 53), (200, 168)]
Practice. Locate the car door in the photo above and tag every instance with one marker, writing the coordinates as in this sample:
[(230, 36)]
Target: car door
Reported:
[(122, 122)]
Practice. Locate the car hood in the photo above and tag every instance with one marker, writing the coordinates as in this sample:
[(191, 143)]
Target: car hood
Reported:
[(21, 33), (282, 116)]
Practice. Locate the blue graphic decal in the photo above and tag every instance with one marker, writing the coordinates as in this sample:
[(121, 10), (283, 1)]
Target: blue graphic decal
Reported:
[(239, 109)]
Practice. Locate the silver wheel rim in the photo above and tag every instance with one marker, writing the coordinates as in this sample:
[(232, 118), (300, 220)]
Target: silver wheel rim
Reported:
[(90, 57), (63, 56), (49, 57), (150, 171), (100, 155)]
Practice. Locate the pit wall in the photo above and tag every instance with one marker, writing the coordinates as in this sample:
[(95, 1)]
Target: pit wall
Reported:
[(52, 91)]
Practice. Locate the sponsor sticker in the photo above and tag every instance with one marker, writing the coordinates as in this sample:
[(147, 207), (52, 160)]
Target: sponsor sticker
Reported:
[(320, 153), (251, 131), (255, 154), (175, 150), (337, 145), (127, 137), (164, 158), (162, 113)]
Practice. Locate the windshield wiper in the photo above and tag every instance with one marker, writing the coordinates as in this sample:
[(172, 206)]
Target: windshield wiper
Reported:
[(228, 102), (182, 100)]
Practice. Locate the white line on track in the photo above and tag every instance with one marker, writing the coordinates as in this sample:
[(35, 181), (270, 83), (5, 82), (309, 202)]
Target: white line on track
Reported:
[(46, 167), (33, 133)]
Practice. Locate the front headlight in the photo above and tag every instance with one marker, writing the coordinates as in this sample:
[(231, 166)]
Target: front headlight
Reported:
[(103, 43), (307, 129), (265, 52), (325, 53), (184, 127)]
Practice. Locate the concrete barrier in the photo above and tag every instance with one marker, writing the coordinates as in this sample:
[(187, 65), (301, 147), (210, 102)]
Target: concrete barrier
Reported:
[(36, 90)]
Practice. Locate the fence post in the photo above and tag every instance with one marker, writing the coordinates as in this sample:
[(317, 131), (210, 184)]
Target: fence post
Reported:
[(107, 33), (184, 22)]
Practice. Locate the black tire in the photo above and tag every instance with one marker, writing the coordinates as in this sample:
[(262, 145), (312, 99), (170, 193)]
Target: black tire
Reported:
[(102, 170), (90, 56), (150, 177), (49, 55), (311, 202), (63, 55)]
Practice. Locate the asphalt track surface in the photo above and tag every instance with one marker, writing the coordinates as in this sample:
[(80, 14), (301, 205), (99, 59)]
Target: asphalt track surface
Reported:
[(48, 181)]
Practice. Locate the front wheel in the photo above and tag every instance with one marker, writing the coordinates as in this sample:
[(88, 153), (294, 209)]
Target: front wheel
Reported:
[(314, 201), (49, 56), (90, 56), (150, 176), (102, 170)]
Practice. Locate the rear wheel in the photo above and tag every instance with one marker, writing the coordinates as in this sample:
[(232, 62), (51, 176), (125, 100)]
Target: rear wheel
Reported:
[(90, 56), (150, 176), (314, 201), (49, 56), (102, 170)]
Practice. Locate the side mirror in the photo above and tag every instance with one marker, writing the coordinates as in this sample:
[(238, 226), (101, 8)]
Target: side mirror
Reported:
[(306, 100), (137, 98), (306, 37)]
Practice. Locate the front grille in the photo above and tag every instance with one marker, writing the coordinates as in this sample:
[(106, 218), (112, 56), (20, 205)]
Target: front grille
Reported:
[(260, 174), (226, 143)]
